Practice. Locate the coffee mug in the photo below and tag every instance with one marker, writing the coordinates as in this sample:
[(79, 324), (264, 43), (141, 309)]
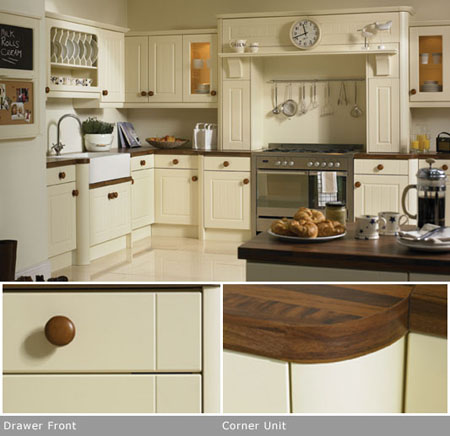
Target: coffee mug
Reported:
[(238, 45), (367, 226), (253, 47), (393, 222)]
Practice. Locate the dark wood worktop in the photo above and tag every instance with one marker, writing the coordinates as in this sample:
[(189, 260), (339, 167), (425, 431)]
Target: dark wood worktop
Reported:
[(383, 254), (54, 163), (403, 156), (322, 323)]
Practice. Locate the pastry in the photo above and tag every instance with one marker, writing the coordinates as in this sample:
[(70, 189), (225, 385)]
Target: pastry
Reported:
[(313, 215), (281, 227), (303, 228), (330, 228)]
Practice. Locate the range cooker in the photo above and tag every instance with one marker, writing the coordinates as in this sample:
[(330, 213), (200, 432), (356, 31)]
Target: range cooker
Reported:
[(289, 176)]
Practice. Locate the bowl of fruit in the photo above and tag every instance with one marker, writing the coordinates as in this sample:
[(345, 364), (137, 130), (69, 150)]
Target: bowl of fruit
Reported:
[(167, 142)]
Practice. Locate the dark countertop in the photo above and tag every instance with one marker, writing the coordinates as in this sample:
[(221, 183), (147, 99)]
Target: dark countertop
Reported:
[(383, 254), (326, 323), (403, 156)]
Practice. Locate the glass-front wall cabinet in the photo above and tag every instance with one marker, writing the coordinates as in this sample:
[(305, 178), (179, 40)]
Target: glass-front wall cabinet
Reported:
[(200, 59), (429, 63)]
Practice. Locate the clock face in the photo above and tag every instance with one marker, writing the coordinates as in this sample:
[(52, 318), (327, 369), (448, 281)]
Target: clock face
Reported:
[(305, 33)]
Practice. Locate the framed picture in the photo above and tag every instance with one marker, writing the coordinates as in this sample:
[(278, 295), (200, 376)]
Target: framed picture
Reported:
[(16, 102)]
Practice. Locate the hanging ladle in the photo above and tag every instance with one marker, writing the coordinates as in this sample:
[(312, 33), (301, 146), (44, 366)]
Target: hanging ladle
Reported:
[(276, 109), (356, 111)]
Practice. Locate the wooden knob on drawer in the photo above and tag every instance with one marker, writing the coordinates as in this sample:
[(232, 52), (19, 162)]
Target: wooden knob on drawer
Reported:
[(59, 330), (246, 181), (62, 175), (105, 92), (175, 161), (194, 178), (357, 184), (226, 164), (151, 93), (413, 92), (47, 89), (75, 193), (380, 167), (213, 93), (143, 162), (116, 194), (143, 94), (445, 167), (110, 195)]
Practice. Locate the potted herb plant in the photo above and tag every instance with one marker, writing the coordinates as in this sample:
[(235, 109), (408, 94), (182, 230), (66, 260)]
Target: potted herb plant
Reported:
[(97, 134)]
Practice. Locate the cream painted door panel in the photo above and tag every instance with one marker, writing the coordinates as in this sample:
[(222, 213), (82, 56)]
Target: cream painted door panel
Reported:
[(227, 200), (236, 115), (447, 204), (62, 230), (179, 393), (378, 193), (112, 66), (383, 115), (110, 217), (115, 332), (426, 377), (203, 48), (79, 393), (350, 386), (179, 331), (253, 384), (136, 69), (142, 198), (176, 196), (165, 69)]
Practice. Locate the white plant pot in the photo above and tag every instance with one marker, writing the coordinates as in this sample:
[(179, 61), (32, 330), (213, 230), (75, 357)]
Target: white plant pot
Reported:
[(98, 142)]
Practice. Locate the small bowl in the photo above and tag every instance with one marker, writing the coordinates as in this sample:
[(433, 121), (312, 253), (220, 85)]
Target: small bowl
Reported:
[(166, 144)]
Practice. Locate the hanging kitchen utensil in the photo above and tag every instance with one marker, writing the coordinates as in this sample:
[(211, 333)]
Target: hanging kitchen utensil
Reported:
[(342, 100), (276, 109), (356, 111), (327, 108), (303, 108), (289, 107), (315, 102)]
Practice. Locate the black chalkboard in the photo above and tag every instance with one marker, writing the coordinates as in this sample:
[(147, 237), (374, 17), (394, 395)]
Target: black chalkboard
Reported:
[(16, 47)]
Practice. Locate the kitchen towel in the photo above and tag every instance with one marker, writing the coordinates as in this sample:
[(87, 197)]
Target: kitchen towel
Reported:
[(440, 237), (329, 182)]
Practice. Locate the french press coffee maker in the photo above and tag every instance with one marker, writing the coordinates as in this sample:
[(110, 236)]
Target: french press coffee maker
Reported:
[(431, 196)]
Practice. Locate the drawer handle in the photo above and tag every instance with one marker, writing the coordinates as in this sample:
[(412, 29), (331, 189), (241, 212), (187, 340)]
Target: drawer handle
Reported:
[(194, 178), (116, 194), (112, 195), (246, 181), (143, 94), (413, 92), (143, 162), (175, 161), (59, 330), (445, 167), (75, 193), (47, 89), (213, 93), (151, 93), (105, 92), (357, 184), (380, 167), (62, 175), (226, 164)]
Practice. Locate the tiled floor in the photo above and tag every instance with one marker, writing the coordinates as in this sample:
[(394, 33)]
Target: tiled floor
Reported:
[(165, 259)]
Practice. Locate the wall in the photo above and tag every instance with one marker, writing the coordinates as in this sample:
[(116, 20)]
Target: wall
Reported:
[(104, 11), (182, 14), (433, 121), (23, 199)]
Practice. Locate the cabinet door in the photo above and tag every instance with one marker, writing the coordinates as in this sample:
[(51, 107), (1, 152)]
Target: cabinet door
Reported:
[(200, 68), (142, 198), (447, 205), (236, 115), (112, 66), (227, 200), (383, 114), (179, 393), (136, 69), (165, 69), (429, 62), (378, 193), (61, 219), (176, 196)]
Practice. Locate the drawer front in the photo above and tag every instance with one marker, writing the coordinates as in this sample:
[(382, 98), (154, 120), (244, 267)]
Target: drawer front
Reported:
[(227, 163), (394, 167), (142, 162), (176, 161), (59, 175), (443, 164)]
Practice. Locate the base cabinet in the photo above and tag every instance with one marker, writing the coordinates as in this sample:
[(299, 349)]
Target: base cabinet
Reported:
[(142, 198)]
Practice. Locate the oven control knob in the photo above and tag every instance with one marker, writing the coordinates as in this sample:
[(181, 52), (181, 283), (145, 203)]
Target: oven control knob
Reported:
[(331, 164), (337, 164), (285, 163), (291, 163), (309, 164), (278, 163), (324, 164), (316, 164)]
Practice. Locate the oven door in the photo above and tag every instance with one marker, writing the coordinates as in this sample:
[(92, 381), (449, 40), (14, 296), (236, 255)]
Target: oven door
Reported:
[(279, 193)]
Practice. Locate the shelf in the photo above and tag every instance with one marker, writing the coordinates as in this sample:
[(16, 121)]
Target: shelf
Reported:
[(71, 66), (429, 104), (306, 53)]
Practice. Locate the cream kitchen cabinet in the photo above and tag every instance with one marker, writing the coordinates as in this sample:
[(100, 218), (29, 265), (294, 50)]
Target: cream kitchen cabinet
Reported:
[(110, 212), (142, 191), (62, 195)]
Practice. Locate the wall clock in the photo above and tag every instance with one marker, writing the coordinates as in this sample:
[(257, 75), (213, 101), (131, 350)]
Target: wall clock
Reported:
[(305, 33)]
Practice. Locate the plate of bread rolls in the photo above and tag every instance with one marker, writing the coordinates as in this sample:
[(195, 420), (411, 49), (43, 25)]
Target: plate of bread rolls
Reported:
[(307, 225)]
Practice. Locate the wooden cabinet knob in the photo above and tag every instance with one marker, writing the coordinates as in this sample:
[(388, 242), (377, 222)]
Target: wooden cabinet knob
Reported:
[(213, 93), (62, 175), (143, 162), (380, 167), (357, 184), (75, 193), (175, 161), (413, 92), (226, 164), (116, 194), (105, 92), (47, 89), (445, 167), (143, 94), (59, 330), (246, 181), (151, 93), (194, 178)]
